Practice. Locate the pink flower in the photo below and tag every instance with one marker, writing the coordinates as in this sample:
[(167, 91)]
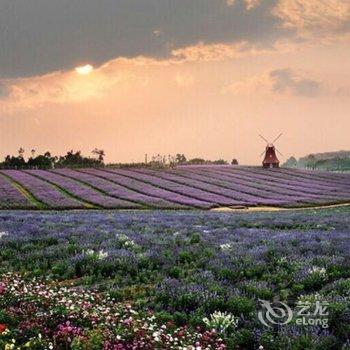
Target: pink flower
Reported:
[(2, 288), (68, 332)]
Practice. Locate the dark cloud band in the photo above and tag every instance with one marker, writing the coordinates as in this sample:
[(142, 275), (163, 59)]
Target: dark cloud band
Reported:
[(40, 36)]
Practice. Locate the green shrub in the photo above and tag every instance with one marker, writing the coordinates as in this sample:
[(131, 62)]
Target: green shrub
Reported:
[(241, 305)]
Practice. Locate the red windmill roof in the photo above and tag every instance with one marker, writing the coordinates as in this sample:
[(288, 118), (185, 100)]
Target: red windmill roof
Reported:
[(270, 155)]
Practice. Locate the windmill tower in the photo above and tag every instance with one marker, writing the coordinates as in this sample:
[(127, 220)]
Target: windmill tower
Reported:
[(270, 159)]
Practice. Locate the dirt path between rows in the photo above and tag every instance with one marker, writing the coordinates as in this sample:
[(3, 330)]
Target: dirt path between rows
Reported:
[(252, 209)]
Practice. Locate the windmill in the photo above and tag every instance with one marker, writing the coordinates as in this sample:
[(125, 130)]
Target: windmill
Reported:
[(270, 159)]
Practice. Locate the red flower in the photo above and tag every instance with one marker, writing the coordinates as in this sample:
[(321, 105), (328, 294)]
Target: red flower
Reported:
[(2, 288), (2, 328)]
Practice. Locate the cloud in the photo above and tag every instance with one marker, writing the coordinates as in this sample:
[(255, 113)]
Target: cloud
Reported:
[(70, 87), (249, 4), (286, 81), (41, 36), (184, 80), (4, 89), (321, 19), (251, 86), (202, 52), (157, 32), (277, 82), (230, 2)]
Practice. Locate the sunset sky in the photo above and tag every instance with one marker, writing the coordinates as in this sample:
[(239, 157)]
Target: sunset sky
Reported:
[(200, 77)]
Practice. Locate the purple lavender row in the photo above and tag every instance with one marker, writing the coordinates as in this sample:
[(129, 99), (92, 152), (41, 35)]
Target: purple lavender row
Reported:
[(323, 177), (83, 192), (281, 176), (330, 177), (191, 180), (284, 186), (148, 189), (181, 189), (266, 190), (252, 194), (10, 197), (43, 191), (119, 191), (273, 189), (279, 180), (250, 187), (320, 173)]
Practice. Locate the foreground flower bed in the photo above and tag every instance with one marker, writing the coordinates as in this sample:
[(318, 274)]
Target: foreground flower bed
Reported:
[(37, 315), (192, 269)]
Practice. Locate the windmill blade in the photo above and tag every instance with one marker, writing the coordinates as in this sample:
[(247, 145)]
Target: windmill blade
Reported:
[(277, 137), (262, 154), (279, 152), (264, 138)]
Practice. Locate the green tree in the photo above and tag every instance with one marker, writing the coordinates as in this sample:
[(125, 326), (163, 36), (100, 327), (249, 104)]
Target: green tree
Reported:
[(291, 163), (100, 153), (180, 158)]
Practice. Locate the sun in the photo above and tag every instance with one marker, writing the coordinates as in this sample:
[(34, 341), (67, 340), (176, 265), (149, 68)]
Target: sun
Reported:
[(84, 70)]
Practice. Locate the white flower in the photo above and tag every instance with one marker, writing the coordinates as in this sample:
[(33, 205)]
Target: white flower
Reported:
[(310, 299), (3, 234), (102, 255), (89, 252), (126, 241), (282, 260), (156, 335), (225, 247), (321, 271), (221, 321)]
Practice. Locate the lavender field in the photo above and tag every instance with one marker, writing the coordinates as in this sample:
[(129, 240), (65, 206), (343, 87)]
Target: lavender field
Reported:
[(188, 187), (174, 279)]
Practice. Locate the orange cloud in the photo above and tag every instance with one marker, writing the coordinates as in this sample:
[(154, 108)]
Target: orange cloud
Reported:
[(250, 86), (251, 4), (217, 52), (120, 74), (285, 82), (67, 87), (320, 19), (184, 80)]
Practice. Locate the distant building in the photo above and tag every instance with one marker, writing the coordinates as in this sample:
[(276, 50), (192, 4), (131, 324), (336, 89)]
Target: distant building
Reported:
[(270, 160)]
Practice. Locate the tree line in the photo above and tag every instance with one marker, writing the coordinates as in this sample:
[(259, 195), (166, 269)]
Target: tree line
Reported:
[(75, 159), (48, 161), (333, 161), (164, 161)]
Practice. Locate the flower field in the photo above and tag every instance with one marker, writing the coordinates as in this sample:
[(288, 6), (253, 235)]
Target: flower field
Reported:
[(188, 187), (173, 279)]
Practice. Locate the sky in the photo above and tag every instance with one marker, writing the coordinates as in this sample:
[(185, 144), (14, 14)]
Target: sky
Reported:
[(199, 77)]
